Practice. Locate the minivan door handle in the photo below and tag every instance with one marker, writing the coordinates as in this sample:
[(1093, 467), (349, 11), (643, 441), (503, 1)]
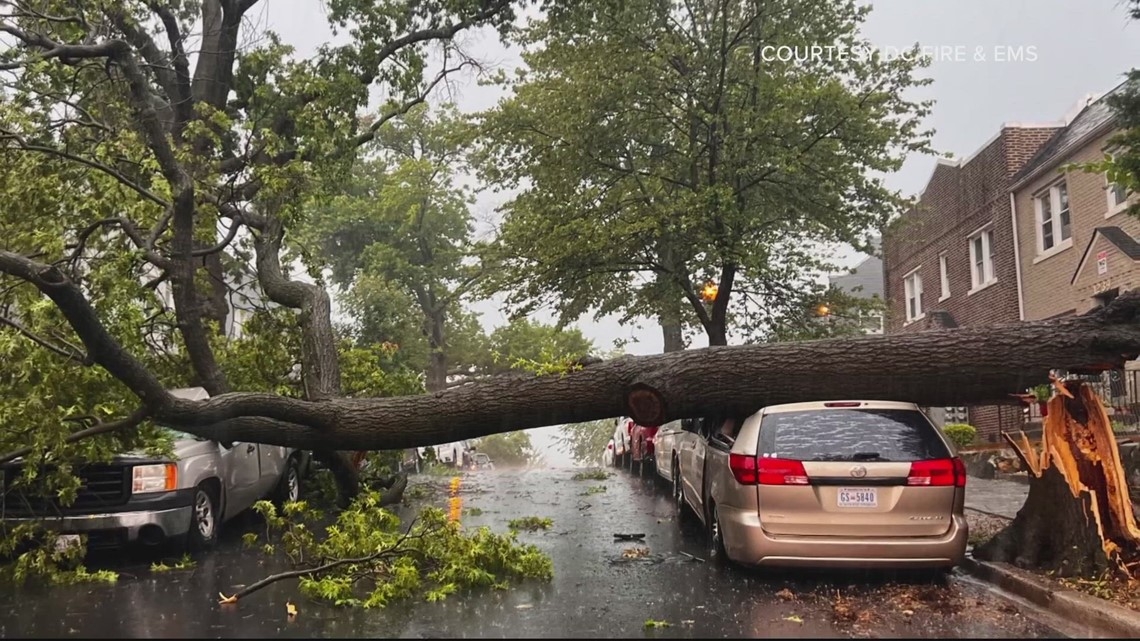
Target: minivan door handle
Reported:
[(249, 448)]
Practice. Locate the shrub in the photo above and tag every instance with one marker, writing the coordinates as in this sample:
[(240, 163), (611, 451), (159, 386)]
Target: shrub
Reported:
[(961, 434)]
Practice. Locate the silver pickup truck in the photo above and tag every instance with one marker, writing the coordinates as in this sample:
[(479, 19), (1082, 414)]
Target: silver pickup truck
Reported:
[(187, 497)]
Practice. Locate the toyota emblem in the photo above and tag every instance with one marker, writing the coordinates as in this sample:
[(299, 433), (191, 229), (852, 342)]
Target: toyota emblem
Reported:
[(858, 471)]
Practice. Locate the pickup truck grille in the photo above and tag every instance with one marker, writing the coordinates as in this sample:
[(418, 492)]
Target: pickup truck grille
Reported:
[(103, 486)]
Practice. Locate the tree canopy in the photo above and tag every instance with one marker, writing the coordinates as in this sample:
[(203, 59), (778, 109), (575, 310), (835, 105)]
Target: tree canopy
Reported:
[(660, 151), (510, 449)]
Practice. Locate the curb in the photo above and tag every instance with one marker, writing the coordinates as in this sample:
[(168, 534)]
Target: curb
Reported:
[(1108, 619)]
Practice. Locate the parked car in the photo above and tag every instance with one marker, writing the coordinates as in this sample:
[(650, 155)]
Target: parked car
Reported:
[(668, 436), (453, 454), (642, 440), (848, 483), (138, 498), (622, 429), (483, 462)]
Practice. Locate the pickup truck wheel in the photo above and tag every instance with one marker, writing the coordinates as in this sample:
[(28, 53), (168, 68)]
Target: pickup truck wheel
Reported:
[(205, 519), (289, 487)]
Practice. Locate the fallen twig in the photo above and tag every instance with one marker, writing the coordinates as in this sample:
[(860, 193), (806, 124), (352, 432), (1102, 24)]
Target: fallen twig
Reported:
[(695, 558), (294, 574)]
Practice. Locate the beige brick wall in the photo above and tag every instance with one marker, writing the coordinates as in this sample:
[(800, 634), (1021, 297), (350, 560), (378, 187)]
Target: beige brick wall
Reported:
[(958, 201), (1047, 285)]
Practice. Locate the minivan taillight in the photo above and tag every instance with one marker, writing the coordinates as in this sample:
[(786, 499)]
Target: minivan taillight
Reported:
[(780, 471), (743, 468), (943, 472)]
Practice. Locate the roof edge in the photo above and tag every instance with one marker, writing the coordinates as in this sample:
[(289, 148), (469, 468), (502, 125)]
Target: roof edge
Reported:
[(1079, 143)]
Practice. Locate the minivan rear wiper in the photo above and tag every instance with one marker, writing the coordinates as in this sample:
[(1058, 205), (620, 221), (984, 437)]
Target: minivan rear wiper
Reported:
[(866, 456)]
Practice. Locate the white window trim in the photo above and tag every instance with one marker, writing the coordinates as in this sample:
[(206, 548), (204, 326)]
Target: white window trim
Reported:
[(1114, 208), (1055, 214), (944, 276), (987, 235), (906, 296)]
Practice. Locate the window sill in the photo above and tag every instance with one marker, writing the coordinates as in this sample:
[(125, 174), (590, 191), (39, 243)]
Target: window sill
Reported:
[(1053, 251), (1120, 209), (979, 288), (914, 320), (946, 297)]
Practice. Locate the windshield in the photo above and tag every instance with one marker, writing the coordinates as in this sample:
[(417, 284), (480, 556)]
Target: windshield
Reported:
[(179, 435), (851, 435)]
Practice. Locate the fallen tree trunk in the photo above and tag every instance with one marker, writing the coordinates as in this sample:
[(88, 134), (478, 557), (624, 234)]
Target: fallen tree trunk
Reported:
[(934, 368), (1078, 518)]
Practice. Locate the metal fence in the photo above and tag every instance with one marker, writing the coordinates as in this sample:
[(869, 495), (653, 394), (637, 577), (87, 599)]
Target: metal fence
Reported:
[(1119, 391)]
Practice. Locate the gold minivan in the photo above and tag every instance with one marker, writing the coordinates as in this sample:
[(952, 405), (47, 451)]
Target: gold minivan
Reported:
[(826, 484)]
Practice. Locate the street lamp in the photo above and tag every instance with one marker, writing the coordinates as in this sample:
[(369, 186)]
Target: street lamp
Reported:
[(709, 291), (822, 310)]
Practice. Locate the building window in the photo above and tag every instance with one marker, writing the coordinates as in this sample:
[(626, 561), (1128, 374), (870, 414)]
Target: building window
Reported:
[(913, 286), (944, 273), (982, 259), (1053, 218), (1117, 198)]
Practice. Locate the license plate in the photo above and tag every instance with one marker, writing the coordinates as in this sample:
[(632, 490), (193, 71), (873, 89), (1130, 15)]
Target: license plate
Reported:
[(65, 542), (858, 497)]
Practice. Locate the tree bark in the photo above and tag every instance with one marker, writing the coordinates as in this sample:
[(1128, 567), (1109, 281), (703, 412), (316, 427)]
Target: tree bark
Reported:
[(436, 320), (717, 333), (672, 334), (1077, 519)]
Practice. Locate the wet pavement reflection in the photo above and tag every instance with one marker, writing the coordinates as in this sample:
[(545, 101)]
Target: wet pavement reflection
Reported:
[(599, 590)]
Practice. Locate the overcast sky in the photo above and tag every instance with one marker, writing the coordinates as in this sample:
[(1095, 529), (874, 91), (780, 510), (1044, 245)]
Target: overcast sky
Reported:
[(1069, 49)]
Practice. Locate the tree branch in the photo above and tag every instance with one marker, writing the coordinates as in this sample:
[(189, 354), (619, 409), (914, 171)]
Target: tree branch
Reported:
[(149, 51), (131, 232), (183, 107), (102, 348), (130, 422), (332, 565), (94, 164), (67, 353)]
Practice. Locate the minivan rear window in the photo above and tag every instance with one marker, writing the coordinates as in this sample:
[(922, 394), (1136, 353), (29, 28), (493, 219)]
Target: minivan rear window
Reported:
[(850, 435)]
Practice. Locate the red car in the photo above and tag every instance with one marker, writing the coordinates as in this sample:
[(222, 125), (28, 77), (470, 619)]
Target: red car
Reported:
[(642, 453)]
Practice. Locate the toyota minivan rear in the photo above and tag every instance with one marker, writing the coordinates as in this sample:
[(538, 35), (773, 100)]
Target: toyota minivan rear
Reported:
[(855, 483)]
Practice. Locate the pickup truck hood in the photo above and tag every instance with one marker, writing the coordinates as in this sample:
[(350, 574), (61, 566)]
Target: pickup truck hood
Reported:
[(183, 448)]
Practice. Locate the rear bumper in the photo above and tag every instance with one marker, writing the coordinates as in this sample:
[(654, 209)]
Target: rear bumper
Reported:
[(150, 518), (748, 543)]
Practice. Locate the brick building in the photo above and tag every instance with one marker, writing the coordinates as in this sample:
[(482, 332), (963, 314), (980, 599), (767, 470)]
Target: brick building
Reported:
[(1077, 247), (949, 261)]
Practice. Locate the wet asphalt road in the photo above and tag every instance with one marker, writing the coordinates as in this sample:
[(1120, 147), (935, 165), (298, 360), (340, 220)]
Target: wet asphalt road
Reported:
[(596, 590)]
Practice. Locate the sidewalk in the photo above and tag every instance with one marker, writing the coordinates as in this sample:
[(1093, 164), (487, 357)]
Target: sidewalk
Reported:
[(998, 497)]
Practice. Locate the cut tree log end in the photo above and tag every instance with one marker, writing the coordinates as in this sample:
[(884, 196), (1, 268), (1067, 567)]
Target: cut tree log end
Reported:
[(1077, 519), (646, 405)]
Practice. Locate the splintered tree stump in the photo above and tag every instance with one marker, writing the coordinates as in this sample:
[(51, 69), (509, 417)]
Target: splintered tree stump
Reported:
[(1077, 519)]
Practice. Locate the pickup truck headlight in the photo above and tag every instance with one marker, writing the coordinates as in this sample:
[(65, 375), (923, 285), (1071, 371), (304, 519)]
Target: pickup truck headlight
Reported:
[(154, 478)]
